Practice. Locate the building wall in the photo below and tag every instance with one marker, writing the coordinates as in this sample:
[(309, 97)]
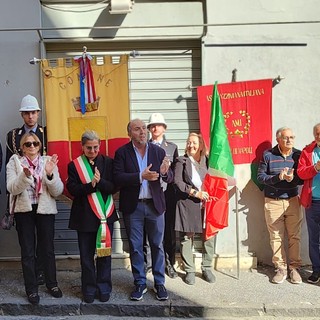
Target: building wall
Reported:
[(266, 40), (156, 15), (17, 78), (261, 39)]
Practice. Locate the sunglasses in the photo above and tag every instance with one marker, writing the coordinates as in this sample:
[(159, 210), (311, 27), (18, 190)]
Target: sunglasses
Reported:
[(95, 148), (30, 143)]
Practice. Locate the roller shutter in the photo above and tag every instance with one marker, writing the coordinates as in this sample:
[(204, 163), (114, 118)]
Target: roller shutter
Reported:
[(161, 76)]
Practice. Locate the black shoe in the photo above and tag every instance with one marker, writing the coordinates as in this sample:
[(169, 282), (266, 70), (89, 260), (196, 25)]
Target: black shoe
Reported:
[(88, 298), (208, 276), (33, 298), (104, 297), (40, 278), (138, 292), (171, 272), (190, 278), (315, 277), (161, 292), (55, 292)]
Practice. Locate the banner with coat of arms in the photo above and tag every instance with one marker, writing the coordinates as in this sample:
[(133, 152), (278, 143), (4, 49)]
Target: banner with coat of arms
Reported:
[(72, 106), (247, 111)]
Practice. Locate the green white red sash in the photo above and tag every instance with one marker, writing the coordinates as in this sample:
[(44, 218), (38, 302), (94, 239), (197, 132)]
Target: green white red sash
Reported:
[(102, 209)]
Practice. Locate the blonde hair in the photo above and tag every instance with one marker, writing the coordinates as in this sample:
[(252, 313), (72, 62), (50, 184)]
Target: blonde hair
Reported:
[(202, 145), (26, 136)]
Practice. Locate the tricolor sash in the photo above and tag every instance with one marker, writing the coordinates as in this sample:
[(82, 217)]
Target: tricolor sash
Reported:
[(102, 209)]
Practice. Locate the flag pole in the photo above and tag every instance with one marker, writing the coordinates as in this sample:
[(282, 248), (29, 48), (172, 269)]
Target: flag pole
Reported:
[(237, 233)]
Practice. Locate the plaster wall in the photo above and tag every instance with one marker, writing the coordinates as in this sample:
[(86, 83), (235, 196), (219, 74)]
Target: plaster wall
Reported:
[(264, 39), (17, 79), (147, 20), (261, 39)]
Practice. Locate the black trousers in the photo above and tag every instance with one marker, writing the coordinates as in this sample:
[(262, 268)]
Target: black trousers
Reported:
[(169, 241), (39, 259), (36, 230), (95, 275)]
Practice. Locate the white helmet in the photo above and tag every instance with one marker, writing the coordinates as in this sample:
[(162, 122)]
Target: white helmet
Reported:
[(156, 118), (29, 103)]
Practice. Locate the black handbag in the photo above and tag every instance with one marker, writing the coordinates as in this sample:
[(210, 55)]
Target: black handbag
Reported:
[(7, 220)]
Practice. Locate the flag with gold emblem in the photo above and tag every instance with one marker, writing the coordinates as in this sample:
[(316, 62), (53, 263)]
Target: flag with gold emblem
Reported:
[(67, 117)]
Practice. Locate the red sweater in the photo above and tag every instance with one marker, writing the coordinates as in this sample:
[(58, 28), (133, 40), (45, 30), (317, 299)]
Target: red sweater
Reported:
[(306, 172)]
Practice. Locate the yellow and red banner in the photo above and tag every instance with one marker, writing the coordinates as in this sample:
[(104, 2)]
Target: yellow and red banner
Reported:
[(108, 115), (247, 111)]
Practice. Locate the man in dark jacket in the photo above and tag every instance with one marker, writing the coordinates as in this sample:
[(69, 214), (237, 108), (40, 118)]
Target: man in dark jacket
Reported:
[(138, 167), (30, 112), (277, 172)]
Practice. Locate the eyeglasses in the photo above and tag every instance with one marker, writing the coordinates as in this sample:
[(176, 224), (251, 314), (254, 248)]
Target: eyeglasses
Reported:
[(31, 143), (288, 138), (95, 148)]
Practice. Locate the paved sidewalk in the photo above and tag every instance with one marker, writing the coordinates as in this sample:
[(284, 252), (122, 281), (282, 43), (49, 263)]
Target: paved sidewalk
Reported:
[(252, 295)]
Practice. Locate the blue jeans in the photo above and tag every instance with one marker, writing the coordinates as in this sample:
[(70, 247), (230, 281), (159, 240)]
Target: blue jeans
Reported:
[(93, 275), (146, 217), (313, 224)]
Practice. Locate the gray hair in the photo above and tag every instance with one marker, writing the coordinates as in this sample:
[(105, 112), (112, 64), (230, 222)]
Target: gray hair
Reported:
[(130, 122), (129, 127), (315, 127), (89, 135), (279, 131)]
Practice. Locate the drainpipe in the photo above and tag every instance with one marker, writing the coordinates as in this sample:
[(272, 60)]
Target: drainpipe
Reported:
[(203, 39)]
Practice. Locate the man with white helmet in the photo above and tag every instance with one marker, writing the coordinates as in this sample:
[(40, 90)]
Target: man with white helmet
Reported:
[(157, 127), (30, 110)]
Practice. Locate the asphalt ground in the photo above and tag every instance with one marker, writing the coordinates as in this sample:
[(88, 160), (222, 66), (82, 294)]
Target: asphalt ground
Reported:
[(252, 295)]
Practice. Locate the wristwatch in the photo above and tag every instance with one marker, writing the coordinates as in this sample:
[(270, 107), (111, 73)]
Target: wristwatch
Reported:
[(194, 193)]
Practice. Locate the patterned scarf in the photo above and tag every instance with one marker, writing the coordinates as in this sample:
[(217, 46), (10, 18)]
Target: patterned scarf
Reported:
[(36, 167)]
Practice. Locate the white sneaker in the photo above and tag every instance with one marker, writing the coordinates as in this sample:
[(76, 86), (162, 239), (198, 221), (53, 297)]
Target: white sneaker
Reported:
[(280, 276), (295, 276)]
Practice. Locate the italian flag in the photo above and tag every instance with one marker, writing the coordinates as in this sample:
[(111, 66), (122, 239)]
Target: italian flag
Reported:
[(221, 170)]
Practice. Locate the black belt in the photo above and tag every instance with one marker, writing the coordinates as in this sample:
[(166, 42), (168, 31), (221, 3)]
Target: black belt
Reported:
[(281, 198), (146, 200)]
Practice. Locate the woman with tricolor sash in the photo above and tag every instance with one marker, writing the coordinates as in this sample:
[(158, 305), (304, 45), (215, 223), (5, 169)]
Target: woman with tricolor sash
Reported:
[(90, 182)]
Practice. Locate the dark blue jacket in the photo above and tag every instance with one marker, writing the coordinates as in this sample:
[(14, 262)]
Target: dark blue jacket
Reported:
[(127, 177), (268, 173)]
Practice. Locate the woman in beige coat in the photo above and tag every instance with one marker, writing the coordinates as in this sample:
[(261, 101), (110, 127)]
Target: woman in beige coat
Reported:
[(33, 182)]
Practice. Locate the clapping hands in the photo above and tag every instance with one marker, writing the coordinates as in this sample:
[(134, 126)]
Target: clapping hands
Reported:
[(51, 164), (165, 165), (286, 174), (149, 175), (96, 177)]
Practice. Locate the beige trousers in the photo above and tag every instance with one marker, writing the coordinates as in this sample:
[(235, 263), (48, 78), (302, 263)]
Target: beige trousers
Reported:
[(284, 218)]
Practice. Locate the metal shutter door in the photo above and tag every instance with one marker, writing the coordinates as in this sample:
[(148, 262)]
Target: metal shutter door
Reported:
[(160, 76)]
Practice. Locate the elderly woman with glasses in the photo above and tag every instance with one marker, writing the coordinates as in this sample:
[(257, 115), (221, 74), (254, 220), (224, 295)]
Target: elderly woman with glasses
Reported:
[(90, 182), (33, 182)]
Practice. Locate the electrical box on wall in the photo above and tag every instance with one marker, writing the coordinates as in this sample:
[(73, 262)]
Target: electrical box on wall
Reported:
[(121, 6)]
